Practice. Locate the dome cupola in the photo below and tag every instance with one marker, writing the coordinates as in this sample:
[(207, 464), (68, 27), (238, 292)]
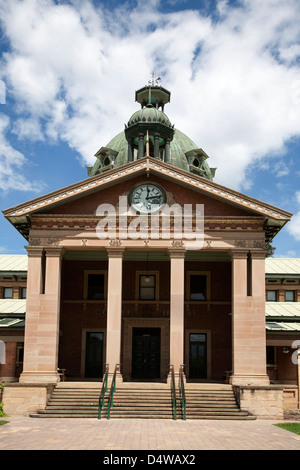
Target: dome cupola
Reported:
[(149, 132), (150, 124)]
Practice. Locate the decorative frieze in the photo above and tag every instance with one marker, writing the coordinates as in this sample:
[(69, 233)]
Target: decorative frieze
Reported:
[(88, 223)]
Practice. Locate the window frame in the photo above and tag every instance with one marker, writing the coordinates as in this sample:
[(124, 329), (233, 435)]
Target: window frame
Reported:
[(137, 284), (274, 354), (276, 295), (12, 292), (22, 290), (207, 274), (87, 272), (294, 296)]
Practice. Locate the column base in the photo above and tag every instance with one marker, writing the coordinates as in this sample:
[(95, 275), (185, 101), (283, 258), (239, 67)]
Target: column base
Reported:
[(39, 378), (119, 378), (177, 379), (254, 380)]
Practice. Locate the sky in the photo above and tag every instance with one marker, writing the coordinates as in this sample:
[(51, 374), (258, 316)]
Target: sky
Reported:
[(69, 71)]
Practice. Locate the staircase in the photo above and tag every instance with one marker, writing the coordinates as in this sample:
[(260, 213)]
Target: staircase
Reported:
[(213, 401), (80, 400), (147, 400), (142, 400), (72, 400)]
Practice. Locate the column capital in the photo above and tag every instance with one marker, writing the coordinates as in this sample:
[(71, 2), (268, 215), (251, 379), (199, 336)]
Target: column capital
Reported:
[(177, 252), (34, 251), (115, 251), (258, 254), (57, 251), (239, 253)]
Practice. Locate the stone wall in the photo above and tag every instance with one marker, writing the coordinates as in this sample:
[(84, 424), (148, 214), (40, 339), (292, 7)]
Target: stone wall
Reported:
[(291, 397), (22, 399), (263, 402)]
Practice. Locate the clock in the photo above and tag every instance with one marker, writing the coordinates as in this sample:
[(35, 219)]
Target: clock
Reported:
[(147, 198)]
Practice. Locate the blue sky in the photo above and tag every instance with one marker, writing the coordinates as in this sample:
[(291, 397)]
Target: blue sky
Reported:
[(69, 71)]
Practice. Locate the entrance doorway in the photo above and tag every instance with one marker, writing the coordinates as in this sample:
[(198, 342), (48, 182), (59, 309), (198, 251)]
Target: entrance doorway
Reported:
[(94, 355), (146, 353), (198, 355)]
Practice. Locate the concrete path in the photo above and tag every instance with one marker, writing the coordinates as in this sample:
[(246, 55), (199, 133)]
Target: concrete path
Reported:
[(24, 433)]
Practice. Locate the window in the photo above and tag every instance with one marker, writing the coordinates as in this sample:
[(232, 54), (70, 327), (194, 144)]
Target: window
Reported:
[(147, 286), (290, 296), (95, 285), (7, 293), (198, 286), (20, 353), (271, 296), (271, 355), (23, 292)]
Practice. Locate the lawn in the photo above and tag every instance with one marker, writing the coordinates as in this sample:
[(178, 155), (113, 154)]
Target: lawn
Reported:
[(293, 427)]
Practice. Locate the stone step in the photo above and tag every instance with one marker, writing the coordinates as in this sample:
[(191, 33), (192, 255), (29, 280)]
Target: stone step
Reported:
[(217, 411), (61, 415), (143, 401)]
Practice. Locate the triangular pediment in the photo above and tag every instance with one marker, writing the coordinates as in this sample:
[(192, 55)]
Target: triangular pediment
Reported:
[(146, 167)]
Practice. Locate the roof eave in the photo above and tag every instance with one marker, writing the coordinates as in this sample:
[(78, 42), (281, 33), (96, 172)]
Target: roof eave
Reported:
[(19, 216)]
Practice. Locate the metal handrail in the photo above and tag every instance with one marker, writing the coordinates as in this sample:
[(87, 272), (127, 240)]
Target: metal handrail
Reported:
[(112, 391), (103, 390), (182, 391), (173, 389)]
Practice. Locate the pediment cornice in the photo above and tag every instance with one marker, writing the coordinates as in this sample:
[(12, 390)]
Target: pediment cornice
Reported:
[(19, 214)]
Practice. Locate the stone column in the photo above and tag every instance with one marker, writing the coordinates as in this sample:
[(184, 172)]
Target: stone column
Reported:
[(130, 150), (167, 151), (114, 308), (248, 319), (156, 145), (141, 145), (42, 316), (177, 308)]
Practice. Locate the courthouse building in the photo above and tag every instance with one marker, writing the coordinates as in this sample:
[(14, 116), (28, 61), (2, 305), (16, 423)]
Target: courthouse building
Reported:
[(164, 297)]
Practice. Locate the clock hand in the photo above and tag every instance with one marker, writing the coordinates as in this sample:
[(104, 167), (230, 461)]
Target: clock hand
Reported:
[(154, 198)]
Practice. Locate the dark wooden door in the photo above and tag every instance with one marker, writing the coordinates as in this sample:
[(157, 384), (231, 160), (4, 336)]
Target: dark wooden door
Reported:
[(94, 355), (198, 355), (146, 353)]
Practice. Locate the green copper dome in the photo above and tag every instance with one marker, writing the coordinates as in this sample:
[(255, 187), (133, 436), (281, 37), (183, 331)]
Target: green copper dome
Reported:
[(150, 130), (149, 114), (179, 147)]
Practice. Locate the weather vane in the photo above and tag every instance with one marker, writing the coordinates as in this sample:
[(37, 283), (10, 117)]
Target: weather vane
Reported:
[(153, 81)]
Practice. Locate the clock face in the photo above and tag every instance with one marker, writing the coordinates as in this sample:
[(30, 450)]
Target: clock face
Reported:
[(147, 198)]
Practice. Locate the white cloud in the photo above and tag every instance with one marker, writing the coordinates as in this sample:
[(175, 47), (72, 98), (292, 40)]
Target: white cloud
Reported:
[(293, 226), (74, 68), (12, 163)]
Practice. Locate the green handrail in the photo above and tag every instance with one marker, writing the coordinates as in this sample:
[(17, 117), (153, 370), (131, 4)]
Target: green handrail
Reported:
[(103, 390), (182, 391), (112, 391), (173, 389)]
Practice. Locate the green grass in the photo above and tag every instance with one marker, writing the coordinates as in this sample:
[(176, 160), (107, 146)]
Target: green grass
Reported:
[(292, 427), (3, 422)]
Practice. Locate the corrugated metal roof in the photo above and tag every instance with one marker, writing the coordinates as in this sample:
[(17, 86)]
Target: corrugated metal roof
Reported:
[(282, 326), (9, 263), (283, 309), (12, 322), (282, 266), (272, 265), (12, 306)]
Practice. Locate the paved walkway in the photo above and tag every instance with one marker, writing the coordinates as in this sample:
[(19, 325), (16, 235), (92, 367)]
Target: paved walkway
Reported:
[(24, 433)]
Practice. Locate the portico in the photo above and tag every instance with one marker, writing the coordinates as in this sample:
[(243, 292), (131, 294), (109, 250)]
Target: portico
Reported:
[(231, 263), (156, 299)]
